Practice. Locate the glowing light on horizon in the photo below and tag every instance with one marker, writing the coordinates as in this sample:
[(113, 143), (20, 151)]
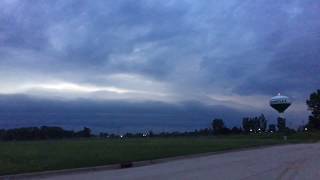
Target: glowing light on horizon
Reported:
[(78, 88), (74, 90)]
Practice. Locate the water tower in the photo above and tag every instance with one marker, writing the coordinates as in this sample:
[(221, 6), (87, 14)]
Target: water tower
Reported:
[(280, 103)]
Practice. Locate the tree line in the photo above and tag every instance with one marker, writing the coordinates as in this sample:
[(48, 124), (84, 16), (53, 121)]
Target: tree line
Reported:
[(44, 132)]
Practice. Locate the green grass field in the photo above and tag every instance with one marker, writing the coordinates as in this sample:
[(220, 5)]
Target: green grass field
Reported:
[(30, 156)]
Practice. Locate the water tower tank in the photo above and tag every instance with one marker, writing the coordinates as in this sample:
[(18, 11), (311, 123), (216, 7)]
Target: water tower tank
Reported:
[(280, 103)]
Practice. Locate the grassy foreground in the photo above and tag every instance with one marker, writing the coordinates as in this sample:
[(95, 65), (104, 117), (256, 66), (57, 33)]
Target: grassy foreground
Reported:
[(30, 156)]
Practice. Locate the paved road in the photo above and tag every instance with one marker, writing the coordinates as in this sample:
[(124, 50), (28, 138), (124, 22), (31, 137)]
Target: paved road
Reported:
[(279, 162)]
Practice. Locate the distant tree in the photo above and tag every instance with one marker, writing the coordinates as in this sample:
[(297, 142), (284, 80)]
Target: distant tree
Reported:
[(54, 132), (35, 133), (254, 124), (217, 126), (204, 132), (2, 134), (103, 135), (150, 133), (85, 132), (263, 123), (314, 106), (226, 130), (272, 128), (246, 124), (236, 130)]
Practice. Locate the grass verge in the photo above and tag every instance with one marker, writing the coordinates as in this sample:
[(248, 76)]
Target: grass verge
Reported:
[(31, 156)]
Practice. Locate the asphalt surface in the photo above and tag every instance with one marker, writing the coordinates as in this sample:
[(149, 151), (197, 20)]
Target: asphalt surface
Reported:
[(299, 161)]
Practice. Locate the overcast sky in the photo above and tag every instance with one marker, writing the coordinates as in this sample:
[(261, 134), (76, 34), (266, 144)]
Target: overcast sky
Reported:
[(160, 64)]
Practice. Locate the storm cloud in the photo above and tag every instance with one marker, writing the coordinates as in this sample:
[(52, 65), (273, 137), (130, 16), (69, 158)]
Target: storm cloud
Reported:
[(224, 57)]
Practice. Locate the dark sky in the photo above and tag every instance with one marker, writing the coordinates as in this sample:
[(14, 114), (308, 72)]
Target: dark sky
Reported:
[(163, 64)]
